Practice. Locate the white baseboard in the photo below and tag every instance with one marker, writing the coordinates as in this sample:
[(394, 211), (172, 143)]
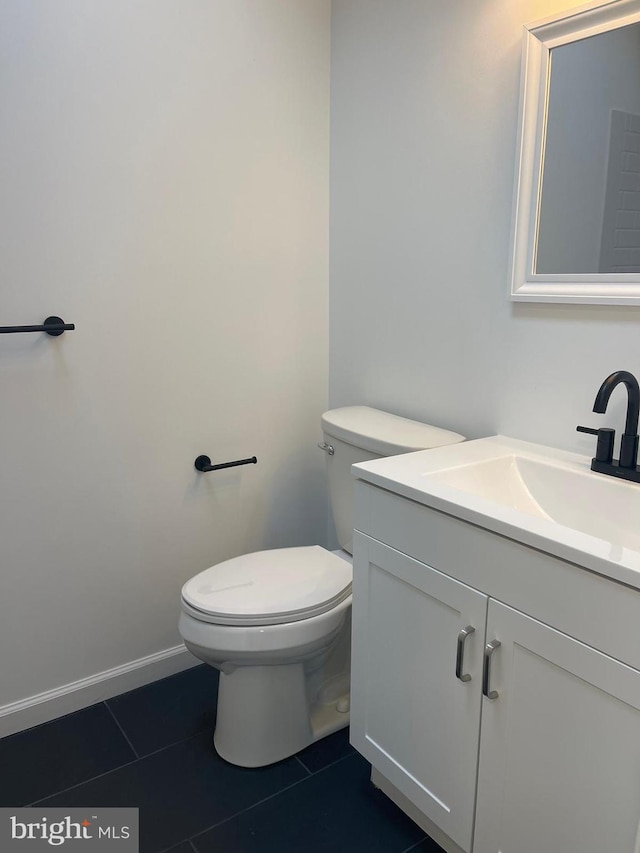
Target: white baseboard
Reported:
[(17, 716)]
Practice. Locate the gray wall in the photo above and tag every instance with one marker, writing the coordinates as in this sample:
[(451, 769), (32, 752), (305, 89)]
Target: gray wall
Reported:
[(424, 114), (165, 187)]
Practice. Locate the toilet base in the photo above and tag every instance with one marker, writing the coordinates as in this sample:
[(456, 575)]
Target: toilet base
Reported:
[(264, 715)]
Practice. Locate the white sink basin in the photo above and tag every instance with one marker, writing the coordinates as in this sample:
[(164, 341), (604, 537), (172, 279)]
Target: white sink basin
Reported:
[(543, 497), (597, 505)]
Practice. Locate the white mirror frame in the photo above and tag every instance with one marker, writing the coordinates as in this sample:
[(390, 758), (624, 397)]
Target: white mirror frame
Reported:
[(539, 39)]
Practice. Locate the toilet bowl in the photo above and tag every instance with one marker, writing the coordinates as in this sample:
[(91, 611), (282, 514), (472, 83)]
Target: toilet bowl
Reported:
[(271, 622), (277, 623), (284, 673)]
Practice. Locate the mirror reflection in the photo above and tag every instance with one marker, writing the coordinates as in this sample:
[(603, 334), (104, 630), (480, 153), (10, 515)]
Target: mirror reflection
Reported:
[(589, 209)]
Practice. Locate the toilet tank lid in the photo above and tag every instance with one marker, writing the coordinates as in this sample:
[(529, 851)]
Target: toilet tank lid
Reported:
[(384, 433)]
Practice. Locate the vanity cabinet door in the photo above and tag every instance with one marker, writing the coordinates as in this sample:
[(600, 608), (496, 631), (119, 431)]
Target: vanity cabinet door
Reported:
[(411, 716), (560, 744)]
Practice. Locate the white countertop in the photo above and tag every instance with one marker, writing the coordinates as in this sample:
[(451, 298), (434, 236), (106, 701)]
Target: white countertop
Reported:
[(546, 498)]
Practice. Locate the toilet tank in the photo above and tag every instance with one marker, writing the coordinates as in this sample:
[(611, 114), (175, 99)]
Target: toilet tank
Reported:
[(360, 434)]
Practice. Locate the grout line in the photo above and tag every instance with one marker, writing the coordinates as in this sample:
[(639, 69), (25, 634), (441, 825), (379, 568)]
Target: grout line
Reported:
[(417, 844), (331, 763), (252, 806), (187, 841), (169, 746), (270, 797), (303, 764), (112, 770), (79, 784), (122, 731), (156, 752)]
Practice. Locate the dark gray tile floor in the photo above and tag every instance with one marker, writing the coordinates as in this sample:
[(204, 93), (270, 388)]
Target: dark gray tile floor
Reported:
[(152, 749)]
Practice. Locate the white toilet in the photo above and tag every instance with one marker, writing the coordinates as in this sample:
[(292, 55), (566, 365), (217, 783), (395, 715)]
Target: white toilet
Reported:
[(277, 624)]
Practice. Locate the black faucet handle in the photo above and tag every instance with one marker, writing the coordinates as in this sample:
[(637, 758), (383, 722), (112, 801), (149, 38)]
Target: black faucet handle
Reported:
[(628, 451), (604, 447)]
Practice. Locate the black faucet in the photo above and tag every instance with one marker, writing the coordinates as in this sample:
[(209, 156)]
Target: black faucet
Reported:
[(603, 462)]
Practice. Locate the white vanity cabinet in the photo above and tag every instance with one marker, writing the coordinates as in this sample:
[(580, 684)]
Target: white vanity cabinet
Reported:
[(411, 717), (560, 744), (552, 760)]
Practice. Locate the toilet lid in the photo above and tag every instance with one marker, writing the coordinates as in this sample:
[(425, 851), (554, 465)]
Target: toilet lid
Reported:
[(269, 587)]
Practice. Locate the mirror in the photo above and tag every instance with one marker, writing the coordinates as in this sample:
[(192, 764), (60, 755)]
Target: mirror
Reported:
[(576, 224)]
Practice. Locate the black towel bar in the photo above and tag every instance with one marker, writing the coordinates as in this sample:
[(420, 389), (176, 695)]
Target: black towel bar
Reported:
[(53, 326), (203, 463)]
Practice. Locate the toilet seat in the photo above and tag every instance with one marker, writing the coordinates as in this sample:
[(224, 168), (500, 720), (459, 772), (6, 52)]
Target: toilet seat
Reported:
[(269, 587)]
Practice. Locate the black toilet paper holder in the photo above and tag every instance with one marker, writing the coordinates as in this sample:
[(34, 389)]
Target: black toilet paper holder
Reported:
[(203, 463)]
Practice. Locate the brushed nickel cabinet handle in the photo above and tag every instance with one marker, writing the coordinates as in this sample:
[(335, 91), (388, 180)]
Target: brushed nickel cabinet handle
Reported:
[(462, 636), (489, 649)]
